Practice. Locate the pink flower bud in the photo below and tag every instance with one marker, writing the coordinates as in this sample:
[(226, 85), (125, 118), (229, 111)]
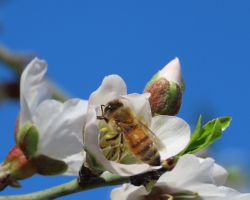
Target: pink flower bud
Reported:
[(172, 71), (166, 89)]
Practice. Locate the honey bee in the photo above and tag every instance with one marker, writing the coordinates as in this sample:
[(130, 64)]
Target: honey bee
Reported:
[(131, 133)]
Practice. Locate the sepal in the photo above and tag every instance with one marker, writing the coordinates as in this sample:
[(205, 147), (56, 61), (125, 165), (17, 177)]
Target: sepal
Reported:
[(93, 163), (17, 165), (48, 166), (16, 130), (27, 139)]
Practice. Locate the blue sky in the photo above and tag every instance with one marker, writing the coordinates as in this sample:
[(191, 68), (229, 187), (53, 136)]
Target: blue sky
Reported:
[(84, 41)]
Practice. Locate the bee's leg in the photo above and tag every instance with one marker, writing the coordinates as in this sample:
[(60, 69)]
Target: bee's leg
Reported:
[(102, 117), (113, 142), (111, 154), (112, 139), (121, 147)]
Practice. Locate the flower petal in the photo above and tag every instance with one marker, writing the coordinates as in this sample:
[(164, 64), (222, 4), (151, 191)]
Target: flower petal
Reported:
[(25, 114), (172, 71), (60, 127), (232, 194), (112, 86), (219, 174), (33, 89), (128, 192), (92, 143), (174, 133), (140, 106), (190, 175), (74, 163)]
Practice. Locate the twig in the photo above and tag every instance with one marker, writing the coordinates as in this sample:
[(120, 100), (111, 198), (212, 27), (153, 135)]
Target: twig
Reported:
[(107, 179)]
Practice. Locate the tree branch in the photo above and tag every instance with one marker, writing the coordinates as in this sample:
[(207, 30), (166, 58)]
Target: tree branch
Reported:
[(107, 179), (17, 63)]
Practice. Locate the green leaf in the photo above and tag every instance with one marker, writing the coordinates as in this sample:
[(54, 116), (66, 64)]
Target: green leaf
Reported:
[(213, 132), (194, 136), (206, 129), (225, 122), (196, 133), (209, 133)]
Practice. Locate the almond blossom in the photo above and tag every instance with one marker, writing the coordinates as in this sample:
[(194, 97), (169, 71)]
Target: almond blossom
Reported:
[(172, 131), (48, 133), (190, 179), (59, 124)]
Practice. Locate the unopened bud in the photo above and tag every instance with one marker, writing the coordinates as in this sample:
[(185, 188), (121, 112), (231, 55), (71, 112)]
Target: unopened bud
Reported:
[(166, 88)]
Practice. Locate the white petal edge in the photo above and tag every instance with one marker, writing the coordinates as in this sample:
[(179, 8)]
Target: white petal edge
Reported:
[(219, 174), (174, 133), (33, 88), (128, 192), (232, 194), (74, 163), (190, 175), (112, 86)]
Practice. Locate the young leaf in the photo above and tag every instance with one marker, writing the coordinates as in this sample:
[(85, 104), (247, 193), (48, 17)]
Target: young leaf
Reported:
[(196, 133), (213, 132), (194, 136), (206, 129), (225, 122), (209, 133)]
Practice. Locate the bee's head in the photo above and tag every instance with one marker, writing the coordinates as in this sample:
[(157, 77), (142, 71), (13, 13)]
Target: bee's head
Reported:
[(112, 106)]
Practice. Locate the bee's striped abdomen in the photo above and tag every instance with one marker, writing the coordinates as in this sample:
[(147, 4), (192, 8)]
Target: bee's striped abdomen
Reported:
[(142, 146)]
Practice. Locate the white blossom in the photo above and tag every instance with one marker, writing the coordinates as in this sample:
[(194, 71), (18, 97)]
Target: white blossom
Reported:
[(190, 179), (59, 124), (173, 131)]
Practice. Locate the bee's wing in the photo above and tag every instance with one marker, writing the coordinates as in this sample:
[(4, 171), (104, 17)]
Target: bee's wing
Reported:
[(157, 142)]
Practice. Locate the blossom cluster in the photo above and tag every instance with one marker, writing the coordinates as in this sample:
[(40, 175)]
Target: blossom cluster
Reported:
[(58, 138)]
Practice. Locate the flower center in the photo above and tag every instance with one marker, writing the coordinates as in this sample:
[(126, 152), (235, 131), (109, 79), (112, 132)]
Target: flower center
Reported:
[(114, 145), (111, 145)]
